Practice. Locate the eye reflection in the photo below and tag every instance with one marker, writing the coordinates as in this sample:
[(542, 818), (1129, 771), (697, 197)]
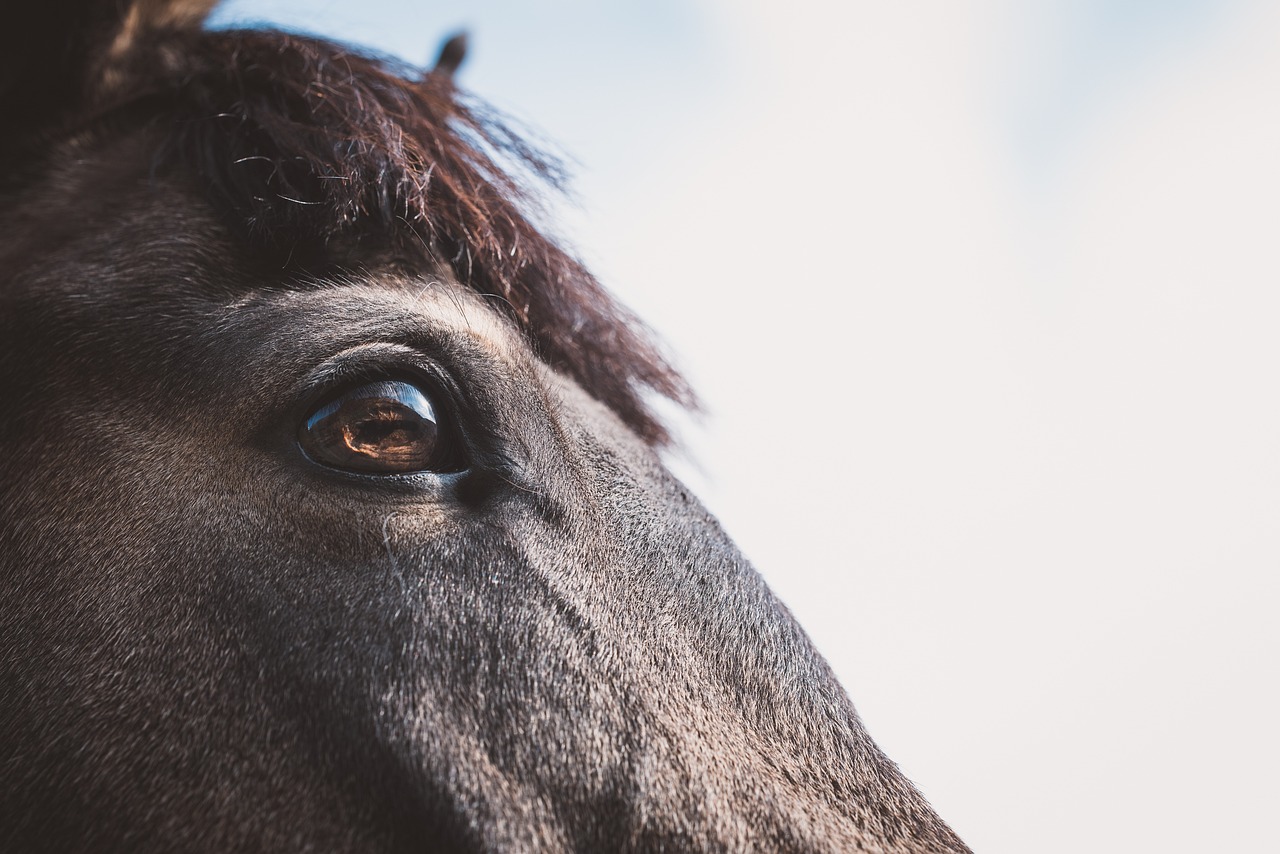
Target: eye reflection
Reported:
[(385, 427)]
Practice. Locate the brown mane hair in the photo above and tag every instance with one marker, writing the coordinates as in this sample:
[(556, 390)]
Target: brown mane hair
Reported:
[(303, 144)]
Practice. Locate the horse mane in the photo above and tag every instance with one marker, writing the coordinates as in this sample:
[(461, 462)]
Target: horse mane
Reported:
[(305, 145)]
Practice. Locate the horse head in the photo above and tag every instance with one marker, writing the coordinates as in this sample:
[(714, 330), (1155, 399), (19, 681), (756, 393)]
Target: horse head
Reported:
[(333, 515)]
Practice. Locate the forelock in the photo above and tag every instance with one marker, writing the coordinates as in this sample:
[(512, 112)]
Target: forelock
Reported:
[(304, 145)]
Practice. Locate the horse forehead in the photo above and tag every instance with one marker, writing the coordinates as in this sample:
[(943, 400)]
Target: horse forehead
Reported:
[(156, 243), (371, 306)]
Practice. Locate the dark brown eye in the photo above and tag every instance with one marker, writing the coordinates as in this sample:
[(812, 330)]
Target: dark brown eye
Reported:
[(386, 427)]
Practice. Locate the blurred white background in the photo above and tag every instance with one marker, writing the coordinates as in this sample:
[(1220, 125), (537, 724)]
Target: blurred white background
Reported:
[(983, 299)]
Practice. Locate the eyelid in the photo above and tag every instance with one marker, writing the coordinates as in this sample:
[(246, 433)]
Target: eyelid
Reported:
[(383, 361), (360, 362)]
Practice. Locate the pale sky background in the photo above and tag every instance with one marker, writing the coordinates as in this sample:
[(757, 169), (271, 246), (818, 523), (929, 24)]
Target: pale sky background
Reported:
[(984, 301)]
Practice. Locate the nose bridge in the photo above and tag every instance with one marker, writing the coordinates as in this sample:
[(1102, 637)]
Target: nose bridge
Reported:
[(700, 638), (670, 569)]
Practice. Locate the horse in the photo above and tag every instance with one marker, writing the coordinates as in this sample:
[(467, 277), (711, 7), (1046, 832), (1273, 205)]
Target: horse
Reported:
[(332, 509)]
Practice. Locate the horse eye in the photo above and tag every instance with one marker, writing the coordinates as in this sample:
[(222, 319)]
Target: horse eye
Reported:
[(386, 427)]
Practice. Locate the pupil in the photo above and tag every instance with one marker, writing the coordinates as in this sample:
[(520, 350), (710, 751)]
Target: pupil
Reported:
[(389, 431), (379, 432)]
